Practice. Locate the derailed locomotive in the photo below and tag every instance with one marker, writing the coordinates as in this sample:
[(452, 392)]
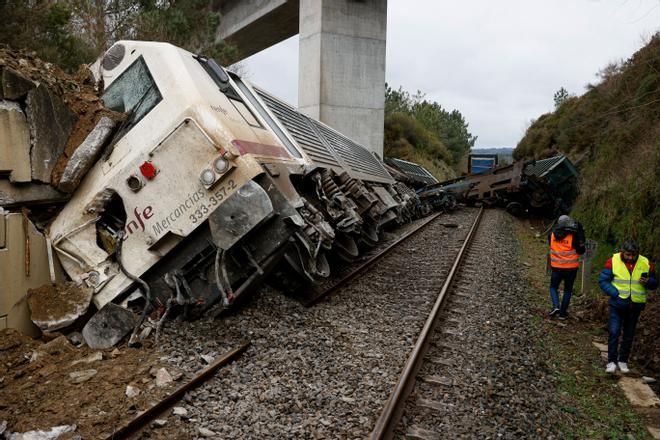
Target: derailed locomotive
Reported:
[(211, 183)]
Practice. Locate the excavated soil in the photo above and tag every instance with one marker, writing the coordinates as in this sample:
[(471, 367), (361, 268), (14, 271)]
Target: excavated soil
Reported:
[(78, 92), (37, 391)]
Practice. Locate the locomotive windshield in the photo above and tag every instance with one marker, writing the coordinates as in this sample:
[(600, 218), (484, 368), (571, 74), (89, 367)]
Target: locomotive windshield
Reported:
[(134, 92)]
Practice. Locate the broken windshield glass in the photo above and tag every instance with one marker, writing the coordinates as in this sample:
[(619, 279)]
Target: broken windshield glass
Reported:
[(134, 93)]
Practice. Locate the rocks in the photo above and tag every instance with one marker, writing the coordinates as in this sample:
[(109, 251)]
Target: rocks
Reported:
[(53, 307), (159, 423), (208, 359), (132, 391), (82, 376), (14, 85), (97, 356), (29, 194), (108, 326), (50, 124), (85, 155), (180, 411), (14, 142), (51, 434), (163, 378), (205, 432)]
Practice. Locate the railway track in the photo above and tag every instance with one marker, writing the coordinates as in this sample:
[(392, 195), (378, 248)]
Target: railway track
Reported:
[(322, 361), (348, 272), (388, 424)]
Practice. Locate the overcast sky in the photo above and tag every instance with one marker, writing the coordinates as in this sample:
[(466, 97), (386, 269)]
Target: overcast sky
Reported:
[(497, 62)]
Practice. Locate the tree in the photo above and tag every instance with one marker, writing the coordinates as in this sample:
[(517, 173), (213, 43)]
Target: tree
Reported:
[(560, 97)]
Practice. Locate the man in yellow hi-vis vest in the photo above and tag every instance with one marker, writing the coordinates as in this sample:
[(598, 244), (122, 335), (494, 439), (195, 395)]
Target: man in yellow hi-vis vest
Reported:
[(626, 278)]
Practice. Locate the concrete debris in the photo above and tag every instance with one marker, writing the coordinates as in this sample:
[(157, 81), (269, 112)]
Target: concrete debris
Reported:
[(83, 375), (108, 326), (51, 434), (51, 123), (159, 423), (14, 142), (15, 85), (28, 194), (204, 432), (58, 345), (648, 379), (208, 359), (163, 378), (86, 155), (96, 356), (132, 391), (180, 411), (3, 427), (76, 338), (54, 307)]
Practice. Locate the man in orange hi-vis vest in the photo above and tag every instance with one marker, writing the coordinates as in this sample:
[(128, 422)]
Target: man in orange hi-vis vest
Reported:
[(566, 244)]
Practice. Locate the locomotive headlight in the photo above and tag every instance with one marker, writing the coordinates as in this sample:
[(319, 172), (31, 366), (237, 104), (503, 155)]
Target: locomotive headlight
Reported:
[(221, 165), (207, 177)]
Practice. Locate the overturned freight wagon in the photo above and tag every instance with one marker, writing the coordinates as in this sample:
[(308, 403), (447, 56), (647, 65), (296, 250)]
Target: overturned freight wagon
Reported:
[(544, 187), (210, 183)]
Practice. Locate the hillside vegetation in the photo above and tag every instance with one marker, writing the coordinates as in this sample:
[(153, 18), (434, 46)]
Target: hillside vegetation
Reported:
[(422, 131), (612, 133)]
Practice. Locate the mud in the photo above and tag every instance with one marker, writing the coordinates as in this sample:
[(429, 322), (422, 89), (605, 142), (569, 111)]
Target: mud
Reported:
[(37, 391)]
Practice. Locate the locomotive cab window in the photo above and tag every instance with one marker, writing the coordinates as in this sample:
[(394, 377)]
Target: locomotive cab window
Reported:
[(135, 92), (221, 79)]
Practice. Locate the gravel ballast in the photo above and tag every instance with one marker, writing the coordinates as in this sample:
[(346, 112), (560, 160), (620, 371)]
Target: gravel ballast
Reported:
[(494, 382), (319, 372)]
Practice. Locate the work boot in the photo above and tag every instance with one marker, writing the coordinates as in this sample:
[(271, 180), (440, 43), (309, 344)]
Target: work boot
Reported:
[(623, 366), (610, 368), (553, 312)]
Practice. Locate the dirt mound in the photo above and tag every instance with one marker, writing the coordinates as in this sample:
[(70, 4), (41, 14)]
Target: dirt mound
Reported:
[(50, 384)]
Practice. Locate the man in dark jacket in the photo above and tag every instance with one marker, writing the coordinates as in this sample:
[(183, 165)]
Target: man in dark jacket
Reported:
[(625, 278), (566, 244)]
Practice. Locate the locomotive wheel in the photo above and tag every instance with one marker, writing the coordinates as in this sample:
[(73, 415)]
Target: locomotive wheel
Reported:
[(346, 248)]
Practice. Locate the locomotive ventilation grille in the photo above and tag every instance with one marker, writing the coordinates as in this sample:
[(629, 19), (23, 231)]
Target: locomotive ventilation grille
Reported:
[(325, 146), (298, 126)]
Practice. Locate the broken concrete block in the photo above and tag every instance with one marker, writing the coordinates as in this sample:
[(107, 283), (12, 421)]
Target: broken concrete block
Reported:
[(94, 357), (15, 278), (638, 392), (54, 307), (180, 411), (12, 195), (51, 434), (108, 326), (132, 391), (86, 155), (15, 85), (82, 376), (14, 142), (163, 378), (51, 123)]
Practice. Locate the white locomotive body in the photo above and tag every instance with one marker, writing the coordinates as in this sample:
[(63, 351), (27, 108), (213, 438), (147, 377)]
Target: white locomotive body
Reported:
[(210, 183)]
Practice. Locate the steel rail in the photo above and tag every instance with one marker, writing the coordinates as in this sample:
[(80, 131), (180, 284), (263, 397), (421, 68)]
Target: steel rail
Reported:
[(368, 263), (393, 409), (141, 420)]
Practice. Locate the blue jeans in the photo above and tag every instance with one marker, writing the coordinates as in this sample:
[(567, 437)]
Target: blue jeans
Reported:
[(621, 318), (557, 276)]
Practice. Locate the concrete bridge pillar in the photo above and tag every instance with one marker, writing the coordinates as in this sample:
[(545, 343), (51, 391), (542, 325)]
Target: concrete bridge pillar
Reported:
[(341, 77)]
